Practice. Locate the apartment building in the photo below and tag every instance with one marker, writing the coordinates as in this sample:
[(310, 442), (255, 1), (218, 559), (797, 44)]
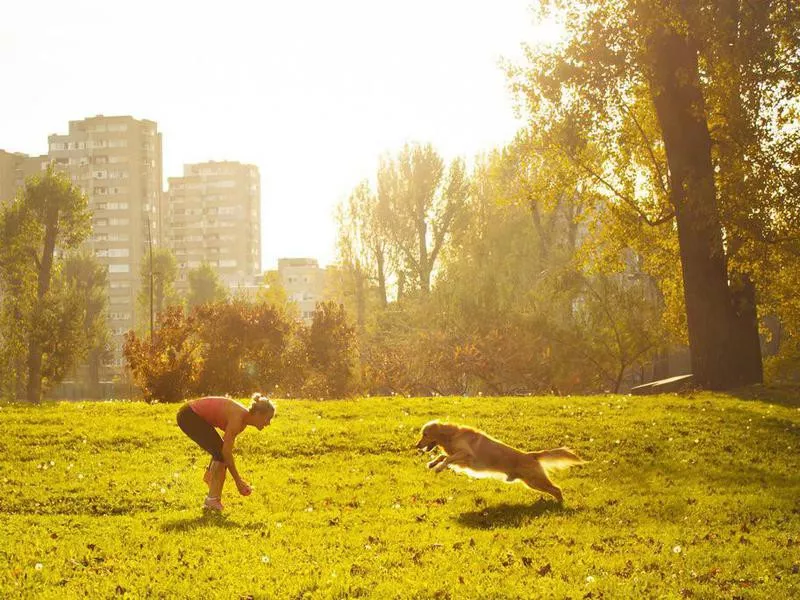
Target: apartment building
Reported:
[(117, 162), (304, 282), (213, 215), (15, 168)]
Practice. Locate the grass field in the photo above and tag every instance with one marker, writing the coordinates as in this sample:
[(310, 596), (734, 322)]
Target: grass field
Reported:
[(685, 497)]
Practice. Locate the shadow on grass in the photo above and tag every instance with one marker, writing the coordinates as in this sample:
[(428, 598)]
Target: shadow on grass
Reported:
[(787, 395), (510, 515), (206, 519)]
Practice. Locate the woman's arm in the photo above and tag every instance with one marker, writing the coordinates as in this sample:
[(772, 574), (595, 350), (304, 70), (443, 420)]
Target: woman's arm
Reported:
[(234, 428)]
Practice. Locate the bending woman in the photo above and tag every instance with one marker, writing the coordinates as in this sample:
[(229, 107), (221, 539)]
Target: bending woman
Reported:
[(198, 418)]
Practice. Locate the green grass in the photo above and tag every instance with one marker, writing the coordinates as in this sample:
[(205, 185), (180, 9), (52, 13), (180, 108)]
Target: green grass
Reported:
[(684, 496)]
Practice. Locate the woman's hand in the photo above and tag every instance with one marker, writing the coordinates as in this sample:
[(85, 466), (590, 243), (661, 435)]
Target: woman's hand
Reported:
[(243, 487)]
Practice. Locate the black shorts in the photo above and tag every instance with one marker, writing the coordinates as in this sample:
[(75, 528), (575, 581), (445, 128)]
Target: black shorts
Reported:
[(202, 432)]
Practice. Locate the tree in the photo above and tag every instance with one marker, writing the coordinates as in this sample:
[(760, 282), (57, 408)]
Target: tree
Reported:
[(420, 205), (274, 294), (49, 216), (329, 344), (633, 96), (205, 286), (164, 273), (87, 280), (364, 249), (242, 346)]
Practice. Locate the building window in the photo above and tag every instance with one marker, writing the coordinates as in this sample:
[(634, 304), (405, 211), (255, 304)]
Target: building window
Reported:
[(119, 268)]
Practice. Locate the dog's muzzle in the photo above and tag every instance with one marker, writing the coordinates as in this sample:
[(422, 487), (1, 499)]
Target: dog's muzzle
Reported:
[(426, 445)]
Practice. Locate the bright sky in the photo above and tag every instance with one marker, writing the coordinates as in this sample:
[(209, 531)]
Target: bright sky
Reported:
[(312, 92)]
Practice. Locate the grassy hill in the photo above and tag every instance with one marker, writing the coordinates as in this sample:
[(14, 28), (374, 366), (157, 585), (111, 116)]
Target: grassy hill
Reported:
[(692, 496)]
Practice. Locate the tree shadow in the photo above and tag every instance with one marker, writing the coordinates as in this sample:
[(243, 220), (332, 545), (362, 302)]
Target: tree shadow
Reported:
[(206, 519), (511, 515), (787, 395)]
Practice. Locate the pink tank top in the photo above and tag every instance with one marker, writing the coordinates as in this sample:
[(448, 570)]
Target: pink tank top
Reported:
[(212, 410)]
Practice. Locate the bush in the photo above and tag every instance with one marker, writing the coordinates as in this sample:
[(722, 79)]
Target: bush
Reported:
[(168, 366), (237, 347), (243, 346)]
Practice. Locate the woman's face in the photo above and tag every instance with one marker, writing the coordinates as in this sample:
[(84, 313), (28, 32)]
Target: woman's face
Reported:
[(262, 419)]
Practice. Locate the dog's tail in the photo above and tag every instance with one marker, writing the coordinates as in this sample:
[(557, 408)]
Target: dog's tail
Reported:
[(557, 458)]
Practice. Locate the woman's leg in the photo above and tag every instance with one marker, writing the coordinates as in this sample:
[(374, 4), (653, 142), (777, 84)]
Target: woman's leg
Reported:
[(218, 471), (205, 436)]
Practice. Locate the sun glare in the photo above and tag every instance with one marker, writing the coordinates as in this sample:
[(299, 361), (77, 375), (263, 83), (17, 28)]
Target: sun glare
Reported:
[(311, 93)]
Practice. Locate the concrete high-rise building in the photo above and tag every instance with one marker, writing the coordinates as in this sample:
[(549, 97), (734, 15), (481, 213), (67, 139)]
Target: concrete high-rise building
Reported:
[(213, 215), (117, 162), (304, 282), (15, 168)]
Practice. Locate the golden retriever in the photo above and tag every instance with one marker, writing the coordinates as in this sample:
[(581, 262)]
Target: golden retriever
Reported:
[(479, 455)]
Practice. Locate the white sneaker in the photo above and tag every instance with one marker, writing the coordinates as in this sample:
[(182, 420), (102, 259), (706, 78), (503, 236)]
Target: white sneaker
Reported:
[(213, 504)]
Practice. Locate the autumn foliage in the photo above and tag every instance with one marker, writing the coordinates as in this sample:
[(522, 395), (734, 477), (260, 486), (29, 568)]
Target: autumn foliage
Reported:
[(236, 347)]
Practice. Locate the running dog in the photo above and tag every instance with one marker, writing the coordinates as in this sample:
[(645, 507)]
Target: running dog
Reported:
[(479, 455)]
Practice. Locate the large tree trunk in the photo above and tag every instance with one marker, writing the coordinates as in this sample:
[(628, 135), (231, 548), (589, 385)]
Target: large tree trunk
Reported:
[(719, 360), (34, 391)]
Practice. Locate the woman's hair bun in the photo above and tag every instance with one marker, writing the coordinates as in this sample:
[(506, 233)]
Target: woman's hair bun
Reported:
[(260, 402)]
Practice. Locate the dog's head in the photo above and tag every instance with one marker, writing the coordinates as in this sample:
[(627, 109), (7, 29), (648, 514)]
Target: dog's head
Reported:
[(431, 436)]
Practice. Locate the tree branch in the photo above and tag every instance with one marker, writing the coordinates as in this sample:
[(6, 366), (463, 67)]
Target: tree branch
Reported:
[(650, 152), (630, 202)]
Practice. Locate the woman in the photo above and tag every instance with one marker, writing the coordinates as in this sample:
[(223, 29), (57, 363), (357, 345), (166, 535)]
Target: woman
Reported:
[(198, 418)]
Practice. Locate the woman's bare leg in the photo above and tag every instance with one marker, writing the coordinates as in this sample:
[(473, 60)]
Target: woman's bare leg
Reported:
[(218, 471)]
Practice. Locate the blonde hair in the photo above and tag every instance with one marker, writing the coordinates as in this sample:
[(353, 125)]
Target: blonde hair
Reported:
[(259, 403)]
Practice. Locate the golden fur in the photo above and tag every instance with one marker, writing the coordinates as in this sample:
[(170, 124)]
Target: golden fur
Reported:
[(480, 455)]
